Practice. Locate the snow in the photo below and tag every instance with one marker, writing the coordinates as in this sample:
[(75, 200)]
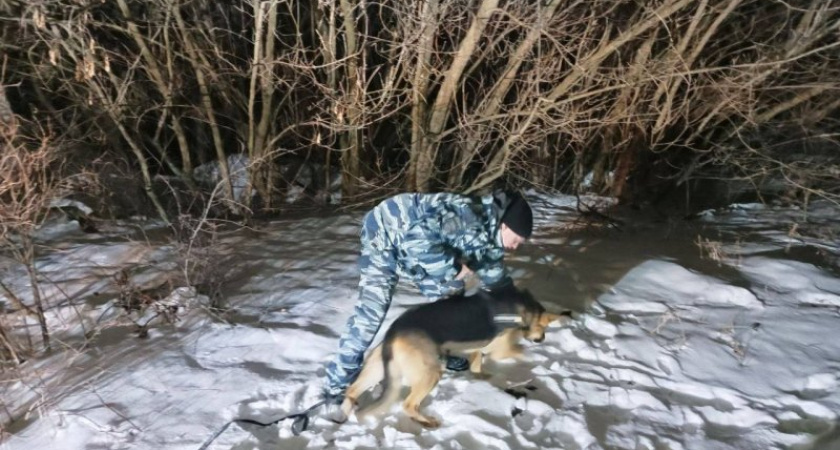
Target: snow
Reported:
[(665, 351), (210, 174), (69, 203)]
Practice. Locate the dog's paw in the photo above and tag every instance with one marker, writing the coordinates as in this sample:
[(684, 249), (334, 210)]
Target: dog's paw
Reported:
[(428, 422)]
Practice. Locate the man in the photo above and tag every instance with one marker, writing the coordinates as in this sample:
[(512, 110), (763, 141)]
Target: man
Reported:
[(436, 240)]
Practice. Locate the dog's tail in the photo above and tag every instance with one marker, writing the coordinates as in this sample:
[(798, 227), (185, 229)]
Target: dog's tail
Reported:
[(391, 383)]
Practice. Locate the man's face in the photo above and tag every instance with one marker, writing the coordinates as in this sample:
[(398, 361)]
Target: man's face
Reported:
[(510, 240)]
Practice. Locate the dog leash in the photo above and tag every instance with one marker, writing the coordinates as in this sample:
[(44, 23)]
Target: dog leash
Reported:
[(299, 424)]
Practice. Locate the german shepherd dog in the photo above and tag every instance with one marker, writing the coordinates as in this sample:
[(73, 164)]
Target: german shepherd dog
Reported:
[(489, 323)]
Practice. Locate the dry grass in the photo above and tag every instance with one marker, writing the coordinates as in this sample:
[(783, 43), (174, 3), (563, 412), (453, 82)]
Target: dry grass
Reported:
[(709, 249)]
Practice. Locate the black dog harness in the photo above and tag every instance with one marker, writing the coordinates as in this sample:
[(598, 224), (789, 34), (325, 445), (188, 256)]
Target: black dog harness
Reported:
[(508, 321)]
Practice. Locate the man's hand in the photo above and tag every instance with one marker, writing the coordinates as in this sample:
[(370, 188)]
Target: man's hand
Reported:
[(464, 273)]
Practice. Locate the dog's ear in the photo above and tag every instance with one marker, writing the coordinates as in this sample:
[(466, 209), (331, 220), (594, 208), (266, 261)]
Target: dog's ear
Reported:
[(526, 297), (527, 315), (507, 289)]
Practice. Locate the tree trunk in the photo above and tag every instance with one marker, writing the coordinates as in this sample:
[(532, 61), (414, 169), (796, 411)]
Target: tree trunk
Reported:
[(156, 74), (625, 165), (261, 75), (424, 160), (207, 106), (353, 100), (500, 90), (420, 90), (7, 117)]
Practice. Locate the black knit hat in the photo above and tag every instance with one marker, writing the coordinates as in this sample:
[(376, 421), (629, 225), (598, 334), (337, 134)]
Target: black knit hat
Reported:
[(518, 216)]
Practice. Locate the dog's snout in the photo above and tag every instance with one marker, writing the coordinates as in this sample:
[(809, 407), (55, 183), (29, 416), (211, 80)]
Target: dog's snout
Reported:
[(539, 339)]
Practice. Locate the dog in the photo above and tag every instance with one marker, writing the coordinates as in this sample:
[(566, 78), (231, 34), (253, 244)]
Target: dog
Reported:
[(487, 322)]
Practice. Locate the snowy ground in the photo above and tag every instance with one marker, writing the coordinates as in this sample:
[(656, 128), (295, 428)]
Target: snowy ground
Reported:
[(669, 351)]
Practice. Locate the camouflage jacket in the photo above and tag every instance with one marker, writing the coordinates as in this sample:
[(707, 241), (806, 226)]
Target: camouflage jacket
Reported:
[(434, 234)]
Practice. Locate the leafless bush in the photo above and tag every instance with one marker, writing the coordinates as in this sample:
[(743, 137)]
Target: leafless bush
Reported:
[(11, 351), (148, 307), (27, 186), (716, 251), (738, 338), (440, 94), (710, 249), (202, 259), (664, 321)]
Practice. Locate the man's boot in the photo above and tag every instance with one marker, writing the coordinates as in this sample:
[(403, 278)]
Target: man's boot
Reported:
[(457, 364)]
